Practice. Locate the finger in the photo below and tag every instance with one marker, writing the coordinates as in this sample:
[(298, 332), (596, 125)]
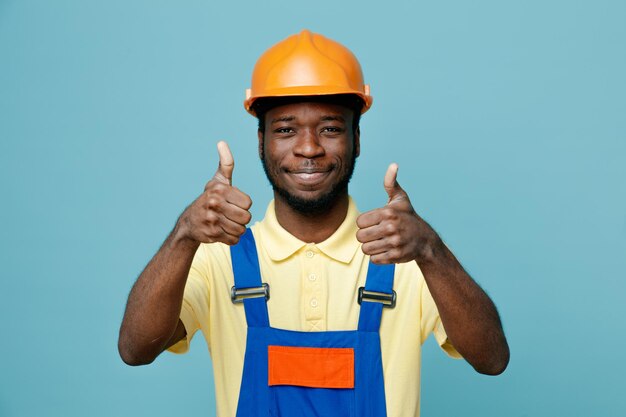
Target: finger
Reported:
[(236, 214), (214, 232), (393, 189), (390, 179), (383, 258), (239, 198), (232, 228), (375, 247), (228, 239), (370, 234), (370, 218), (226, 165), (216, 208)]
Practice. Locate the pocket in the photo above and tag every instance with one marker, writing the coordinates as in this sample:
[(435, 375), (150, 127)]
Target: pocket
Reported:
[(307, 381)]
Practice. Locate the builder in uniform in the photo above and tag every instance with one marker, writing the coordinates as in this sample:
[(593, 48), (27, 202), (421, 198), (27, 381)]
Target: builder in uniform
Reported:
[(317, 309)]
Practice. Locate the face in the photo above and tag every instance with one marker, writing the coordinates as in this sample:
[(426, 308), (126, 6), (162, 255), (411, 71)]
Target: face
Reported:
[(308, 152)]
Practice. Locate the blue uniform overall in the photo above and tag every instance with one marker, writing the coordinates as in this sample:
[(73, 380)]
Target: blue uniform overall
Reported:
[(340, 373)]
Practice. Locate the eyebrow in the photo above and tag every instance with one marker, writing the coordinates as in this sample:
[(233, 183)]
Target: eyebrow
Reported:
[(333, 118), (283, 119)]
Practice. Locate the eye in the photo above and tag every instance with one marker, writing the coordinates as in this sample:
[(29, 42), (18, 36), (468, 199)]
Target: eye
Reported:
[(283, 130), (333, 130)]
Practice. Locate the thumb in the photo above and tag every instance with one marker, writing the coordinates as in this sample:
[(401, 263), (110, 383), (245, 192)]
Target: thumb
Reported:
[(393, 189), (227, 164)]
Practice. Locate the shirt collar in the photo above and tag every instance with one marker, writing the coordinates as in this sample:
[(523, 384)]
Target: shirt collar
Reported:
[(280, 244)]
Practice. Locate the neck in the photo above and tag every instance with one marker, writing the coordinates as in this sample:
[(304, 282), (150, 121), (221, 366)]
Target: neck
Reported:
[(315, 227)]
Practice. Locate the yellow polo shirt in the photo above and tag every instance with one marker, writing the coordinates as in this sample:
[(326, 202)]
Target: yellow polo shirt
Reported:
[(313, 288)]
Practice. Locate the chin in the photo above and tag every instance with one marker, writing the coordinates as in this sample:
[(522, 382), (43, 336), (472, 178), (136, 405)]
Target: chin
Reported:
[(311, 204)]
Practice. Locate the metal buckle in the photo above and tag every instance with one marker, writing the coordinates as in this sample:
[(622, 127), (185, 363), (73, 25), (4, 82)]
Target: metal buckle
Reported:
[(386, 299), (237, 295)]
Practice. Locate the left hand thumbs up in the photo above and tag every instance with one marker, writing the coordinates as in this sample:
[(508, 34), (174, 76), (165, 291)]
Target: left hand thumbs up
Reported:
[(393, 189), (394, 233)]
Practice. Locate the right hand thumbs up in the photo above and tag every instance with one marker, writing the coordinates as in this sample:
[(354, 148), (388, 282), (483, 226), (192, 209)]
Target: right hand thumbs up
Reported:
[(226, 165), (221, 213)]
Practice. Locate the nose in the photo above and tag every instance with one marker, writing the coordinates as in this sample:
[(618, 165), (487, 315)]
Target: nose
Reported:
[(308, 145)]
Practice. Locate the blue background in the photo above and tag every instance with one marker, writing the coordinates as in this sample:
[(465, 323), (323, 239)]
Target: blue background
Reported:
[(507, 119)]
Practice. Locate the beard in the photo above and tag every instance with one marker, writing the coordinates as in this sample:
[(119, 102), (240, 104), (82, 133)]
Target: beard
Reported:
[(312, 206)]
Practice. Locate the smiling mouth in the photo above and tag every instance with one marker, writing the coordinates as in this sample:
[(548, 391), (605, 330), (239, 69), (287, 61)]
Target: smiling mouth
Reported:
[(309, 176)]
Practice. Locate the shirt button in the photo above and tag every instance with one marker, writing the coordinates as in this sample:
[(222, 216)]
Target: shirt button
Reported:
[(309, 254), (313, 302), (312, 277)]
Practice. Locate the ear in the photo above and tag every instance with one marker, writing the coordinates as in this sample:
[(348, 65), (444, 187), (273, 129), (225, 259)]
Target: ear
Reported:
[(357, 141), (260, 136)]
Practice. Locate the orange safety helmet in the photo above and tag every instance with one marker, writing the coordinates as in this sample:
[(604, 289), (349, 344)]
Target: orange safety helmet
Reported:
[(307, 64)]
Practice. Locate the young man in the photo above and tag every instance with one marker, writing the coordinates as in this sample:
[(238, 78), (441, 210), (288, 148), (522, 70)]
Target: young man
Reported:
[(321, 344)]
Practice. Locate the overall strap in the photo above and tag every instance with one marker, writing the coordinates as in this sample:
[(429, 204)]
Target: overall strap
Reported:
[(379, 280), (247, 273)]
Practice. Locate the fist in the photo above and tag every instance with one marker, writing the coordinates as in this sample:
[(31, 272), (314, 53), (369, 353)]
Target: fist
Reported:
[(395, 233), (221, 213)]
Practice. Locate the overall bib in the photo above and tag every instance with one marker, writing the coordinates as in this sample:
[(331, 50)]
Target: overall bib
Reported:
[(309, 374)]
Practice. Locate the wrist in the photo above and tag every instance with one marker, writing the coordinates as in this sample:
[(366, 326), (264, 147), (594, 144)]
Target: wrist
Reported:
[(180, 238), (433, 252)]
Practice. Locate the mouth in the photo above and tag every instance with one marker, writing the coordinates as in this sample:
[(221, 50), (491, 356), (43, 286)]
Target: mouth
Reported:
[(309, 176)]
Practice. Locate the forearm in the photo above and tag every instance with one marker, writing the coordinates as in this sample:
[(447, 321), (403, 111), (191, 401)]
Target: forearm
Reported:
[(397, 234), (468, 314), (155, 301), (151, 320)]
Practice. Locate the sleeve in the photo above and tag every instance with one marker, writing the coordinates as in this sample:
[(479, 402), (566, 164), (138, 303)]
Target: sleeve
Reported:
[(194, 311), (431, 322)]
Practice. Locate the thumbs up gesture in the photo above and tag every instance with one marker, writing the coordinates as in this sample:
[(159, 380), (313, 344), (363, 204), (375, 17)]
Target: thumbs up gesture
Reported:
[(221, 213), (395, 233)]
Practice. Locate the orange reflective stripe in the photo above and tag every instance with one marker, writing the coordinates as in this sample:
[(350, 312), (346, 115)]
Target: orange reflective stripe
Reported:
[(311, 367)]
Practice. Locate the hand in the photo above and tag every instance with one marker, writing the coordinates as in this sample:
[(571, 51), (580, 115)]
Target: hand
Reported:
[(221, 213), (395, 233)]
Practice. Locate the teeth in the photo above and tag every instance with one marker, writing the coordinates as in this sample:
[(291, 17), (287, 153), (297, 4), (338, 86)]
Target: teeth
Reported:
[(305, 176)]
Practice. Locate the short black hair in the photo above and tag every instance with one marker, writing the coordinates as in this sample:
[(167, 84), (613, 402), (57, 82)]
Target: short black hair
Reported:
[(264, 104)]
